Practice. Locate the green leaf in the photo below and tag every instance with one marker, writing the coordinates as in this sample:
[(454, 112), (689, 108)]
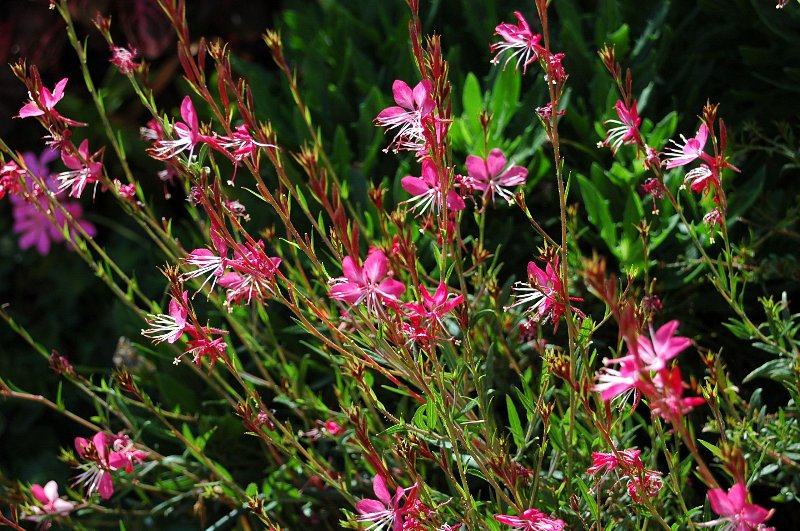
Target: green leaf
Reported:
[(505, 100), (514, 425), (599, 211), (779, 370)]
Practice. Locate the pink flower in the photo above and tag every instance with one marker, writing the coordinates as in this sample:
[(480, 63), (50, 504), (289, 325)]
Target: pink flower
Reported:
[(667, 401), (543, 290), (701, 178), (610, 461), (237, 147), (649, 485), (123, 58), (51, 503), (252, 276), (427, 190), (188, 133), (385, 512), (518, 39), (96, 474), (653, 353), (201, 347), (10, 175), (102, 460), (691, 149), (210, 264), (45, 104), (370, 285), (626, 130), (531, 520), (736, 512), (124, 453), (434, 307), (30, 221), (410, 116), (169, 327), (83, 170), (492, 176)]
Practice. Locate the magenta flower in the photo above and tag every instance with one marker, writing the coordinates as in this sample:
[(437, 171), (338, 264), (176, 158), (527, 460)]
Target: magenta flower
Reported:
[(543, 293), (52, 505), (668, 401), (45, 104), (10, 175), (626, 130), (649, 485), (371, 285), (691, 149), (238, 146), (83, 170), (411, 115), (253, 274), (519, 40), (208, 263), (531, 520), (427, 190), (169, 327), (492, 176), (213, 349), (96, 474), (701, 178), (188, 133), (123, 58), (608, 462), (434, 307), (385, 512), (737, 514), (123, 453)]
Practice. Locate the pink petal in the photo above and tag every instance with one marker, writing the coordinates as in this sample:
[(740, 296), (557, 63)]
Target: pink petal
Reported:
[(379, 487), (51, 490), (58, 92), (402, 94), (106, 486), (476, 168), (755, 514), (80, 445), (389, 113), (720, 503), (737, 495), (454, 201), (415, 186), (514, 176), (422, 97), (370, 506), (351, 271), (496, 161), (391, 287), (347, 291), (101, 444), (30, 109), (188, 113), (39, 493), (376, 265)]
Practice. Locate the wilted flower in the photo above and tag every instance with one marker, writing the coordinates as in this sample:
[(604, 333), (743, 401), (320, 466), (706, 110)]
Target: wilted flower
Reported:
[(123, 58)]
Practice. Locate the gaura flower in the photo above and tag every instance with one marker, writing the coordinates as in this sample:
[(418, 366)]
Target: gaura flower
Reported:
[(45, 104), (83, 169), (690, 150), (626, 129), (427, 191), (492, 176), (52, 504), (188, 133), (736, 513), (169, 327), (123, 58), (543, 290), (370, 284), (386, 511), (410, 117), (519, 41), (531, 520)]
